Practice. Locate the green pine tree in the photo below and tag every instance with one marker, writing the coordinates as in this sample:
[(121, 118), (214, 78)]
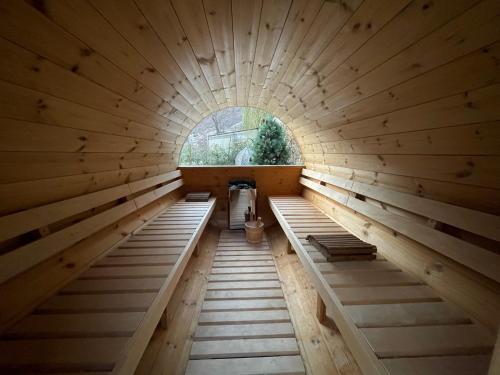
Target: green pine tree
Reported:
[(270, 147)]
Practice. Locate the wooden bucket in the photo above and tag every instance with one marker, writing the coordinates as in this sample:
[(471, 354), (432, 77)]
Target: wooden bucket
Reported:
[(254, 231)]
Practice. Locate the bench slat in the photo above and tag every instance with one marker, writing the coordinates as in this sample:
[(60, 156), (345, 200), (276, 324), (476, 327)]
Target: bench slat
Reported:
[(370, 279), (122, 295), (406, 314), (106, 286), (385, 294), (391, 342), (78, 354), (76, 325), (159, 237), (126, 272), (151, 244), (137, 260), (380, 310), (96, 303), (145, 251), (451, 365)]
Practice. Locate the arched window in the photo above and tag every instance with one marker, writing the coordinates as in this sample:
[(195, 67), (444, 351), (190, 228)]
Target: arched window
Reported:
[(240, 136)]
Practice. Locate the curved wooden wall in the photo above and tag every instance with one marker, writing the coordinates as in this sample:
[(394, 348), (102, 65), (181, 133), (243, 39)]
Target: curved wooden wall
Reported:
[(399, 94)]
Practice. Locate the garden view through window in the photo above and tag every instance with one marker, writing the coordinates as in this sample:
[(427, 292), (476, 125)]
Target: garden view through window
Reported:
[(240, 136)]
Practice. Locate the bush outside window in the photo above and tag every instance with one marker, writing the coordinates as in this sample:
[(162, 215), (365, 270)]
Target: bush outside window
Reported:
[(240, 136)]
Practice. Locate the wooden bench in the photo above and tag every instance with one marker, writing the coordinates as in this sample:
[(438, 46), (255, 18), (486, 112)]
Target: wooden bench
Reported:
[(392, 322), (102, 320)]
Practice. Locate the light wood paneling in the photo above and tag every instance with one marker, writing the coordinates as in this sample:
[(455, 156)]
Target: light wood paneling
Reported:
[(369, 88), (270, 180), (402, 95)]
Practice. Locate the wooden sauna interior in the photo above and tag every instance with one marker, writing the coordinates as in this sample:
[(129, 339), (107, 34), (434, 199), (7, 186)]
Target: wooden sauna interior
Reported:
[(104, 268)]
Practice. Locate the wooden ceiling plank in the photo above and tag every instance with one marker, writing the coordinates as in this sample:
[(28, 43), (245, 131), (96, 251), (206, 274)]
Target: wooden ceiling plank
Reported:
[(328, 22), (368, 19), (167, 23), (301, 16), (246, 16), (28, 136), (194, 23), (448, 111), (129, 21), (466, 27), (59, 164), (48, 40), (220, 23), (273, 17), (30, 105), (390, 41)]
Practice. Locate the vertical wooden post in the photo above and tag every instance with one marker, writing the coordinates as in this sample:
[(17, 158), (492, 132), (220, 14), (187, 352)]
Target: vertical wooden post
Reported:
[(320, 309), (164, 320), (495, 359), (197, 250), (289, 248)]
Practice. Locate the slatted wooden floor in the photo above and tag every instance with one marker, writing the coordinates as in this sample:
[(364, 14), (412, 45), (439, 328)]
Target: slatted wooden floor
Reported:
[(244, 326), (410, 329), (92, 322)]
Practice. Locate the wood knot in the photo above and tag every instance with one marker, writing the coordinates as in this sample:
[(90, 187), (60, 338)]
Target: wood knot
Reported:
[(427, 5), (85, 52)]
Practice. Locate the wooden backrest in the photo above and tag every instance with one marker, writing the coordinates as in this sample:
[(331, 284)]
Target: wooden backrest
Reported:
[(115, 203), (374, 202)]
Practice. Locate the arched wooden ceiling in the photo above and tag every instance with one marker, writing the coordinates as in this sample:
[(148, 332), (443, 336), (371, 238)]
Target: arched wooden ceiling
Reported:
[(399, 93)]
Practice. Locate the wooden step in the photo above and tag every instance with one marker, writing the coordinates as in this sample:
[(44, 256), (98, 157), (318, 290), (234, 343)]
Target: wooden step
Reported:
[(247, 305), (220, 285), (243, 277), (241, 252), (246, 263), (242, 270), (244, 317), (239, 258), (244, 348), (284, 365), (243, 294), (243, 331)]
